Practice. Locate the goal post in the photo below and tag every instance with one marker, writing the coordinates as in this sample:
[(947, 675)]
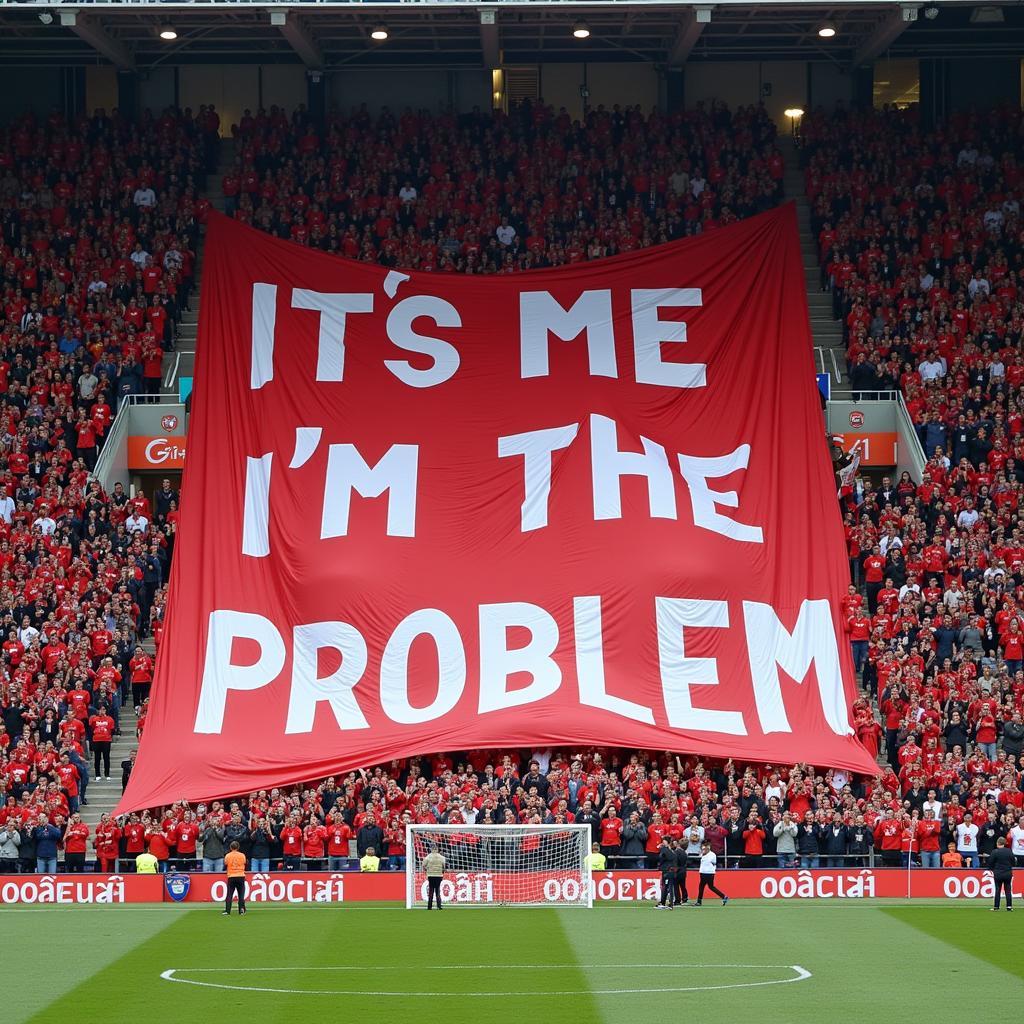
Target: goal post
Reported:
[(502, 865)]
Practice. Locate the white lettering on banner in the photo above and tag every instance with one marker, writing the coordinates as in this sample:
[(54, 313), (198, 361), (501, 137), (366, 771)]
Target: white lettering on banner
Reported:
[(541, 314), (50, 889), (679, 673), (264, 320), (400, 331), (308, 689), (256, 508), (650, 333), (971, 887), (536, 447), (333, 308), (465, 887), (586, 613), (819, 885), (220, 675), (696, 472), (498, 662), (264, 888), (394, 667), (608, 464), (770, 646), (347, 471)]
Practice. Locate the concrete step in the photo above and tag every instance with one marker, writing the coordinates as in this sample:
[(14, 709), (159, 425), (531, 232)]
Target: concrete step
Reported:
[(103, 796)]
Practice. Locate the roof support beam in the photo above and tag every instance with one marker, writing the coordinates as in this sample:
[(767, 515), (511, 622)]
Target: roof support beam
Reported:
[(90, 31), (294, 30), (686, 39), (886, 33), (490, 41)]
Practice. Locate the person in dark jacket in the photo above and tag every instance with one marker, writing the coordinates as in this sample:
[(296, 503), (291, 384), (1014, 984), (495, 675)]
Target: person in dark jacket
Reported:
[(211, 835), (681, 895), (47, 837), (28, 850), (1001, 863), (369, 835), (1013, 736), (634, 841), (261, 837), (236, 832), (807, 842), (588, 816), (734, 829), (956, 732), (667, 867), (834, 842), (859, 841)]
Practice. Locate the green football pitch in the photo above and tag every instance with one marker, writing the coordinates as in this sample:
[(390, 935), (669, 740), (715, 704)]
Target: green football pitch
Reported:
[(792, 962)]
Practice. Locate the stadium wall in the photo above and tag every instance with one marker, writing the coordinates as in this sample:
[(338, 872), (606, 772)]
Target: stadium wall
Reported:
[(233, 88), (481, 887)]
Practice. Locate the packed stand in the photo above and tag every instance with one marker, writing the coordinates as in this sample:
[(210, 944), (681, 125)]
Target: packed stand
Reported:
[(489, 192), (752, 816), (920, 243), (100, 220)]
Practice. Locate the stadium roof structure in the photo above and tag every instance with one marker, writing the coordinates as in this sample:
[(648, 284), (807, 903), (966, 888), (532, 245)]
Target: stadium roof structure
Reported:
[(489, 33)]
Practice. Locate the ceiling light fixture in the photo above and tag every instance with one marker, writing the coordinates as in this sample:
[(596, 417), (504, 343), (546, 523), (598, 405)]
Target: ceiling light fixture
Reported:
[(826, 30), (168, 32), (380, 33), (580, 30)]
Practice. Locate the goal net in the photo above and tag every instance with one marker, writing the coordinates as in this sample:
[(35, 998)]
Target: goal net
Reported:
[(503, 865)]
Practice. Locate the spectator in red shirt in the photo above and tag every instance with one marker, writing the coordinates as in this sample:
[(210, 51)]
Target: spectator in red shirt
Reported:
[(338, 837), (76, 836), (101, 729)]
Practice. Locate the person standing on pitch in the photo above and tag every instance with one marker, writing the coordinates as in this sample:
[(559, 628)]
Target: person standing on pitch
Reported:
[(679, 893), (708, 866), (1000, 860), (433, 868), (234, 864), (667, 867)]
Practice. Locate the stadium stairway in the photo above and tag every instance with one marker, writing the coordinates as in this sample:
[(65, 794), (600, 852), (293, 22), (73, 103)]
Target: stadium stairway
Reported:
[(830, 351), (181, 362), (103, 796)]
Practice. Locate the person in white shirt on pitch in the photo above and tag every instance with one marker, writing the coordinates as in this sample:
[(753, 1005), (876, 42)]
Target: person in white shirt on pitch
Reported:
[(708, 867)]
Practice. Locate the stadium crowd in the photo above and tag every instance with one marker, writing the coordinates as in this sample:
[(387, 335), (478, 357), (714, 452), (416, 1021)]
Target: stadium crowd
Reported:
[(933, 613), (487, 193), (100, 220)]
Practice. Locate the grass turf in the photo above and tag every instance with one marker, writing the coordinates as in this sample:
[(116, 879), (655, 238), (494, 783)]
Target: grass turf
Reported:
[(611, 963)]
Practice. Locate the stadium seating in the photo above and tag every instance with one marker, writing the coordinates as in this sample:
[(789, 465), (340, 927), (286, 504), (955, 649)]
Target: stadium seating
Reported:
[(484, 193), (920, 242)]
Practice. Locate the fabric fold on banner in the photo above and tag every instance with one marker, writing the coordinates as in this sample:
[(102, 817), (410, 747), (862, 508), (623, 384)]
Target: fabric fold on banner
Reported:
[(584, 506)]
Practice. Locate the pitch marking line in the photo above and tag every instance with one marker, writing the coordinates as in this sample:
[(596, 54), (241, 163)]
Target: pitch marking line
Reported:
[(799, 974)]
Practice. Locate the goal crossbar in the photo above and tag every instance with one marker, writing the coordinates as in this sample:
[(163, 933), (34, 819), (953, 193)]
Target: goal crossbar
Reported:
[(501, 865)]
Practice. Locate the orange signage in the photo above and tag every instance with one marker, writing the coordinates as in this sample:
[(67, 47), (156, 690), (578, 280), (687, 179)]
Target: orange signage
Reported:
[(156, 452), (876, 448)]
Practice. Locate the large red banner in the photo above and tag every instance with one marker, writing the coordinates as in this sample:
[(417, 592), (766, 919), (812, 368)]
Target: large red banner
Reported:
[(427, 512)]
